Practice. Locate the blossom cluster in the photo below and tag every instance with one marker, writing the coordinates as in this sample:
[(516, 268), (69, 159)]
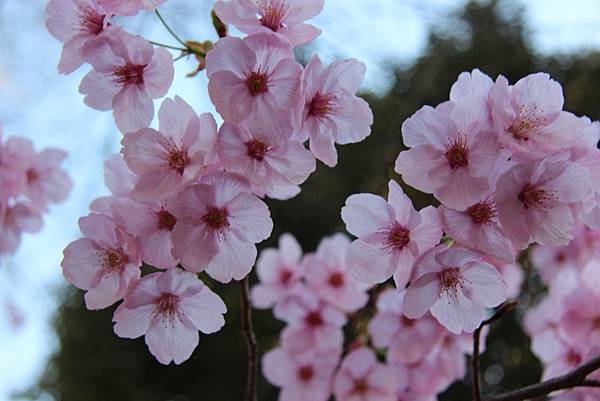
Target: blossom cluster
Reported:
[(565, 326), (30, 182), (509, 168), (316, 295), (186, 196)]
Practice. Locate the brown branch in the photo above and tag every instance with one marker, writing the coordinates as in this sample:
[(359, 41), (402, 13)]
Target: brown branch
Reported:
[(475, 370), (251, 343), (575, 378)]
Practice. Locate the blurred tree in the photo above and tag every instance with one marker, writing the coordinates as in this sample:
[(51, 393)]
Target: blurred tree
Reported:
[(92, 364)]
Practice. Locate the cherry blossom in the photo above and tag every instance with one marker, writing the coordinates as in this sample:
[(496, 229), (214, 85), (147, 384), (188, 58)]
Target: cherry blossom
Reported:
[(14, 220), (285, 17), (455, 284), (104, 263), (167, 159), (129, 7), (169, 309), (391, 235), (218, 224), (331, 112), (361, 378), (127, 74)]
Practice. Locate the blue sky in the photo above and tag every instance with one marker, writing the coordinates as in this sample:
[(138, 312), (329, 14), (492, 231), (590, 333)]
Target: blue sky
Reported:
[(38, 103)]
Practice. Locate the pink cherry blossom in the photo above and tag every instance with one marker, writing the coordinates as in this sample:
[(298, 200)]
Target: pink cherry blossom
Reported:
[(313, 324), (581, 316), (119, 179), (12, 174), (455, 284), (74, 23), (512, 274), (268, 159), (454, 155), (279, 271), (361, 378), (167, 159), (471, 84), (285, 17), (558, 354), (331, 112), (218, 224), (477, 227), (301, 376), (14, 220), (534, 200), (152, 223), (328, 277), (391, 235), (104, 263), (256, 77), (127, 74), (528, 117), (169, 308), (390, 328), (129, 7)]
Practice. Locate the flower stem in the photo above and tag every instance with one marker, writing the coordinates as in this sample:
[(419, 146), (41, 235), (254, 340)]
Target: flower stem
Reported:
[(177, 38), (168, 46), (251, 343)]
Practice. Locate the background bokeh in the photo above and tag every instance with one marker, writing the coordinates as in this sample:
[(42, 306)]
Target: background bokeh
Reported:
[(52, 348)]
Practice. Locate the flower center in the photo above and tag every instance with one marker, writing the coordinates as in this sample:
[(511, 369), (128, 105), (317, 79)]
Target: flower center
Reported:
[(450, 281), (32, 176), (321, 105), (167, 304), (596, 323), (482, 212), (129, 74), (314, 319), (216, 218), (406, 322), (457, 153), (166, 221), (257, 149), (535, 196), (272, 12), (90, 21), (114, 260), (284, 276), (526, 123), (336, 280), (399, 236), (258, 82), (360, 387), (573, 358), (177, 159), (305, 373)]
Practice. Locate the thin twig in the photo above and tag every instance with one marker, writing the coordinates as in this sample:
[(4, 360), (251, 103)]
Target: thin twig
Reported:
[(251, 343), (168, 46), (475, 370), (575, 378), (177, 38)]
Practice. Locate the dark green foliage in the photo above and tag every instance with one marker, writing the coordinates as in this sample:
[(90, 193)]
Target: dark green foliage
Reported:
[(94, 365)]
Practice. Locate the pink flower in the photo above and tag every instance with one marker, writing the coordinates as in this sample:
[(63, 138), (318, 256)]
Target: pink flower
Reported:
[(267, 158), (279, 271), (455, 285), (453, 154), (218, 224), (169, 308), (256, 77), (152, 223), (528, 117), (534, 200), (477, 227), (74, 23), (331, 112), (390, 328), (167, 159), (285, 17), (471, 84), (557, 353), (104, 263), (14, 220), (581, 317), (328, 277), (313, 324), (391, 235), (301, 376), (512, 274), (128, 73), (120, 181), (361, 378), (129, 7)]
